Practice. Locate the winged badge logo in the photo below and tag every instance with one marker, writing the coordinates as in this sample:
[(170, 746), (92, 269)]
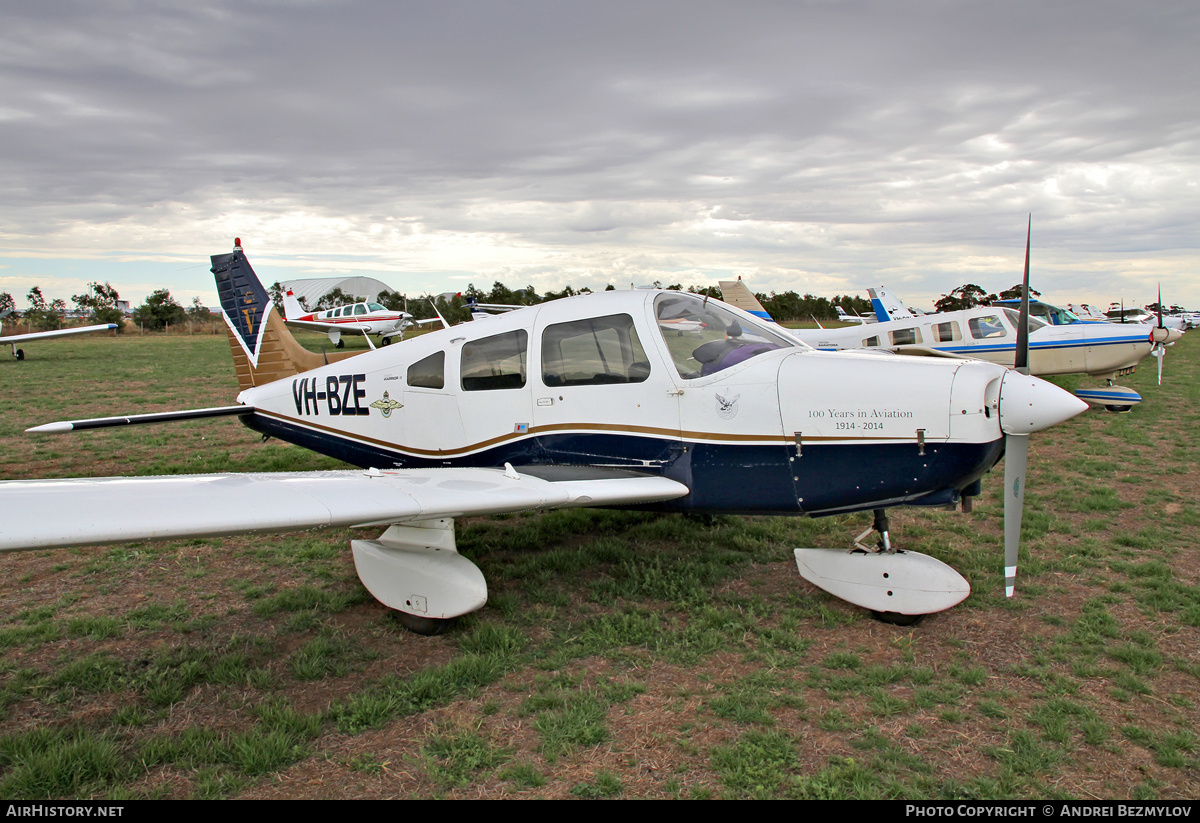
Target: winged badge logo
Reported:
[(386, 405)]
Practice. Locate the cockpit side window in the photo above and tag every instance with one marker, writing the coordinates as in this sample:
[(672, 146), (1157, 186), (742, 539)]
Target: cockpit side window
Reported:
[(496, 362), (429, 372), (359, 308), (705, 336), (594, 351)]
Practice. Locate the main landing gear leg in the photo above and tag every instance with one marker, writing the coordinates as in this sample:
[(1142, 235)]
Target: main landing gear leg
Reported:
[(884, 546), (880, 525)]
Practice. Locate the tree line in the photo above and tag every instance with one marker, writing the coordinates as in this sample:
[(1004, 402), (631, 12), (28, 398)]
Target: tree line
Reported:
[(160, 309), (781, 306), (99, 304)]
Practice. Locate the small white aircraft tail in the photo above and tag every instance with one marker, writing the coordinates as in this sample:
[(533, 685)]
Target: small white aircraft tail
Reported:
[(738, 294), (292, 310), (886, 305), (843, 317)]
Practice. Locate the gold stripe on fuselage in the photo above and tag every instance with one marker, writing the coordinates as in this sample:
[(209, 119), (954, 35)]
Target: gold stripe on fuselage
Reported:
[(666, 434)]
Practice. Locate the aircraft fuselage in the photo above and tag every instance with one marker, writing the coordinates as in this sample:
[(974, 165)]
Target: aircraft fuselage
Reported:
[(603, 381)]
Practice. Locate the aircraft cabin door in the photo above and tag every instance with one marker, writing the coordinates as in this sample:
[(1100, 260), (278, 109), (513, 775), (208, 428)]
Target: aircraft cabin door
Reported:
[(598, 398)]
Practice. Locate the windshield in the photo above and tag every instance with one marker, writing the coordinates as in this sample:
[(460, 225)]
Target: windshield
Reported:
[(705, 336), (1015, 318)]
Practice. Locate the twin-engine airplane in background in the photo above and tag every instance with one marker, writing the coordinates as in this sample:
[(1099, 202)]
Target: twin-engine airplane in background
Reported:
[(593, 400), (364, 318), (14, 339)]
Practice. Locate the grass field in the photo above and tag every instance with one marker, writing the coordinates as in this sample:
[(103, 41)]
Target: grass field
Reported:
[(620, 654)]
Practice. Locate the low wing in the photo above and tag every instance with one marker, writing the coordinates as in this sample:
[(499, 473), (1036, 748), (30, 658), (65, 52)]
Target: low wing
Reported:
[(42, 514), (46, 335), (317, 325)]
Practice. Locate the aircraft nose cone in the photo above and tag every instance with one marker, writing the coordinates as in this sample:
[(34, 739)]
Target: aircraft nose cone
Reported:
[(1030, 404)]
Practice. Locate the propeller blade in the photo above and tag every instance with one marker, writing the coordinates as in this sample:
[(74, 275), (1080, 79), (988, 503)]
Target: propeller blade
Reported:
[(1016, 460), (1021, 362), (1160, 348)]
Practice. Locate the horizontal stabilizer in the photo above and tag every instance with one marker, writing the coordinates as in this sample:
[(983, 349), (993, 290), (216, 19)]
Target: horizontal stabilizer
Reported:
[(136, 419)]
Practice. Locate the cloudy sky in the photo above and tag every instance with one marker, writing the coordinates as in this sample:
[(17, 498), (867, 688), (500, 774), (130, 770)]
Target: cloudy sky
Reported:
[(818, 146)]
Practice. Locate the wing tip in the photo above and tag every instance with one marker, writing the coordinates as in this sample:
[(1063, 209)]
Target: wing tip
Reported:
[(51, 428)]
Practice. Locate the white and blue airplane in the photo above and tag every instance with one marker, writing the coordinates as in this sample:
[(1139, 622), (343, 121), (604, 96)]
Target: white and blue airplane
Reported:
[(1103, 350), (592, 400), (14, 339)]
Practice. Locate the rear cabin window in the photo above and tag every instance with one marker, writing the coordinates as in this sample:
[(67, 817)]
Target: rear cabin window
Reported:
[(593, 352), (871, 341), (946, 332), (496, 362), (989, 326), (429, 373), (906, 337)]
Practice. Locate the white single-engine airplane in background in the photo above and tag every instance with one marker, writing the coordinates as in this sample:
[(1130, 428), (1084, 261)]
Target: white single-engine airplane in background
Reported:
[(591, 400), (14, 339), (365, 318)]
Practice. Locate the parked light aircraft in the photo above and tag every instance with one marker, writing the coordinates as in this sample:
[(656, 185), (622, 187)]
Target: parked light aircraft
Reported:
[(365, 318), (484, 311), (14, 339), (1103, 350), (843, 317), (583, 401)]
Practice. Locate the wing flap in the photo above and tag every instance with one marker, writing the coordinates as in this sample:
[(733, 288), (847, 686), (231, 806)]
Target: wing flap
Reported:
[(89, 511)]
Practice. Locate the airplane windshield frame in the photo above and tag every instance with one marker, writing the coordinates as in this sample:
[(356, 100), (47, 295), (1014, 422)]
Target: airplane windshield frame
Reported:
[(705, 336), (1014, 317)]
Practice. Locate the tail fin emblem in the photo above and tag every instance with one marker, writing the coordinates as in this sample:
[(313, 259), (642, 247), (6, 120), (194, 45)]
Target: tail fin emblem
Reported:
[(243, 300)]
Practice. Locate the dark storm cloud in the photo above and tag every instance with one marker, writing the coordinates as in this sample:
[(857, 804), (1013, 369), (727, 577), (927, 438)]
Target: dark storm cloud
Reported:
[(824, 139)]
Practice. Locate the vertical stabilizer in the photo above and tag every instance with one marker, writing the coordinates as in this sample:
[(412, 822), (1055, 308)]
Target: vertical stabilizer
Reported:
[(738, 294), (886, 305), (292, 310), (263, 348)]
